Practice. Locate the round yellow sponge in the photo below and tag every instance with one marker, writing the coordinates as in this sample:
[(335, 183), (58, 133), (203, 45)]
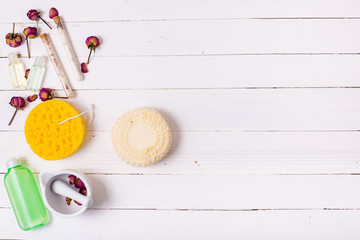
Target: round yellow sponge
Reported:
[(46, 137), (141, 137)]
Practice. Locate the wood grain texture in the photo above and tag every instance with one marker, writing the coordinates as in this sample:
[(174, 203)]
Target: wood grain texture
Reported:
[(210, 153), (242, 71), (187, 9), (242, 110), (130, 224)]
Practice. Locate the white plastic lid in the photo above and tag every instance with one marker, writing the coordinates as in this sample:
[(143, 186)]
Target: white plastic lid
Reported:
[(40, 61), (13, 162), (12, 57)]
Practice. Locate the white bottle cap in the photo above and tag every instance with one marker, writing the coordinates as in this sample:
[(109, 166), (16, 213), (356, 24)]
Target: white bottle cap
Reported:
[(40, 61), (13, 162), (12, 57)]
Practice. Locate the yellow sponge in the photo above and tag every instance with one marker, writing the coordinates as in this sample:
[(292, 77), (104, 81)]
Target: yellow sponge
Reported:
[(47, 138)]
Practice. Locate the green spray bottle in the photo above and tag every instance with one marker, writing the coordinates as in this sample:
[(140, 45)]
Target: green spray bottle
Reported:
[(24, 195)]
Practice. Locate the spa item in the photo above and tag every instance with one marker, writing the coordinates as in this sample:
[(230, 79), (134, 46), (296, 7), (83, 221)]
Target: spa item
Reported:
[(36, 74), (17, 71), (56, 188), (141, 137), (57, 65), (24, 196), (48, 138), (68, 48)]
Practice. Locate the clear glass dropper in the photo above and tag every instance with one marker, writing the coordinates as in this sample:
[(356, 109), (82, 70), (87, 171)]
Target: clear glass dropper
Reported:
[(68, 48)]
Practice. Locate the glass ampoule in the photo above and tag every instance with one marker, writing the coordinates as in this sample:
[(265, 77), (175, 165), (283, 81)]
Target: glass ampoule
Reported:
[(36, 74)]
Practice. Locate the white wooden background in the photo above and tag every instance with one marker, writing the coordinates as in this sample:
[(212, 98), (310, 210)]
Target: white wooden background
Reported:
[(263, 100)]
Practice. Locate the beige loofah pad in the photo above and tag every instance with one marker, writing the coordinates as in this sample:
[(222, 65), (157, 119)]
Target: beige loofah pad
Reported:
[(141, 137)]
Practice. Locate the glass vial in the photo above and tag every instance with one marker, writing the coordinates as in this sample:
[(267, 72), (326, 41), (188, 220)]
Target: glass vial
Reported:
[(17, 71), (24, 195), (36, 74)]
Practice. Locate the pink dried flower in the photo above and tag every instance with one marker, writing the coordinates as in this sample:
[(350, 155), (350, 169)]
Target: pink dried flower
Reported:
[(29, 32), (83, 191), (79, 183), (68, 200), (45, 94), (13, 39), (92, 43), (27, 73), (53, 13), (84, 68), (34, 15), (32, 98), (18, 103), (72, 179)]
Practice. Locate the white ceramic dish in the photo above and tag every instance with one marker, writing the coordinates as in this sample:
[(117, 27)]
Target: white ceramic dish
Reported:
[(55, 202)]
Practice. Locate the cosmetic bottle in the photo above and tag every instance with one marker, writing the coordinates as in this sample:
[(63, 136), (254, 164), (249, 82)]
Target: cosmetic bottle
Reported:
[(36, 74), (17, 71), (24, 196)]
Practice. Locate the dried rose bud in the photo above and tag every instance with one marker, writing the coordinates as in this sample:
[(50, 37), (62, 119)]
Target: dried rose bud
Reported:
[(29, 32), (83, 191), (45, 94), (13, 39), (53, 13), (72, 179), (68, 200), (27, 73), (18, 103), (84, 68), (32, 98), (79, 183), (77, 203), (92, 43), (34, 15)]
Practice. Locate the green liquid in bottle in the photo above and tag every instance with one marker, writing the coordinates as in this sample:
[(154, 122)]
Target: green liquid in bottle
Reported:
[(24, 196)]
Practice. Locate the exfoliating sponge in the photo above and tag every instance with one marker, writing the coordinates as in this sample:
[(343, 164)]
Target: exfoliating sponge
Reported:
[(49, 139), (141, 137)]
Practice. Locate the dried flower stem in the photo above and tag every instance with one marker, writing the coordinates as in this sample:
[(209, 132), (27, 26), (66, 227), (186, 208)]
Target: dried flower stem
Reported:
[(13, 117), (13, 28), (89, 56), (45, 22), (27, 44)]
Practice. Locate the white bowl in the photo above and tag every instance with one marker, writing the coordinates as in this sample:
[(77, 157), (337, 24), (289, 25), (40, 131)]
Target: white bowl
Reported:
[(55, 202)]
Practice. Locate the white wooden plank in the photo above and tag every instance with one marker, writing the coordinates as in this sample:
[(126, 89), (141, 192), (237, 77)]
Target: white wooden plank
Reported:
[(209, 72), (249, 36), (278, 225), (210, 153), (220, 192), (249, 109), (109, 10)]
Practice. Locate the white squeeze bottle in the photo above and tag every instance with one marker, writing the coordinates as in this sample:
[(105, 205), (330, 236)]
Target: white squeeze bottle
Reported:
[(17, 71), (36, 74)]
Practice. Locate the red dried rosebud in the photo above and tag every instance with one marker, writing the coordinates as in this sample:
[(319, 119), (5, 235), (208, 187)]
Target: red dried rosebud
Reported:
[(32, 98), (84, 68), (72, 179), (30, 32), (45, 94), (79, 183), (83, 191), (27, 73), (18, 103), (53, 13), (13, 39), (92, 43), (34, 15)]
